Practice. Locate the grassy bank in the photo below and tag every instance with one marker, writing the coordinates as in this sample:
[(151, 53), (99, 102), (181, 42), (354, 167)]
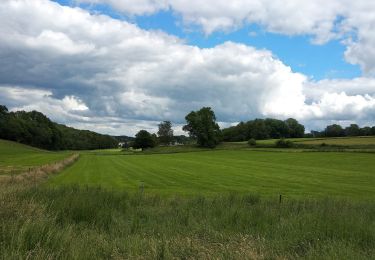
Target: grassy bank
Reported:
[(16, 158)]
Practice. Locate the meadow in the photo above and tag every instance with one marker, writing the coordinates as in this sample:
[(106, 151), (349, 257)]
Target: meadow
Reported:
[(198, 204)]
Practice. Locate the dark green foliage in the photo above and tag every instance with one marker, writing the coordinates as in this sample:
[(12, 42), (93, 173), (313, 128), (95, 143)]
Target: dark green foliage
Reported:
[(352, 130), (261, 129), (338, 131), (202, 125), (252, 142), (295, 130), (35, 129), (165, 132), (74, 139), (334, 131), (283, 143), (144, 139)]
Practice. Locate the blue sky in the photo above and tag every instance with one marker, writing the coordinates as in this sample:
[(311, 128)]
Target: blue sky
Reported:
[(317, 61)]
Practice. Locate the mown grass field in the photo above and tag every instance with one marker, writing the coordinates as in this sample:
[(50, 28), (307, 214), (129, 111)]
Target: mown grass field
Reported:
[(15, 157), (304, 174)]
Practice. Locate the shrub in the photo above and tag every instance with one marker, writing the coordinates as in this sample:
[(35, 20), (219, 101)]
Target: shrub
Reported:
[(252, 142), (282, 143)]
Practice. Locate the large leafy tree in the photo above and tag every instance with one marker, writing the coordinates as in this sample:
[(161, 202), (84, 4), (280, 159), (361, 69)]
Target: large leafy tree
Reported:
[(334, 130), (352, 130), (202, 125), (295, 129), (165, 132), (144, 139)]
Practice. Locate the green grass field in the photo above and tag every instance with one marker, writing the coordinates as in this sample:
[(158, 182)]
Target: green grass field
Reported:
[(15, 157), (266, 173), (338, 141), (198, 204)]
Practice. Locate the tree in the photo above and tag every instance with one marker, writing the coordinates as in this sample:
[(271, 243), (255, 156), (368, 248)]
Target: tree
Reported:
[(165, 132), (353, 130), (334, 131), (144, 139), (202, 126), (295, 129), (366, 131), (258, 129), (276, 128)]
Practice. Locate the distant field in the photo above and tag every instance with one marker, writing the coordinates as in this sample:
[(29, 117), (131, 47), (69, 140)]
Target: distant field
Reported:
[(267, 173), (365, 140), (340, 141), (15, 157)]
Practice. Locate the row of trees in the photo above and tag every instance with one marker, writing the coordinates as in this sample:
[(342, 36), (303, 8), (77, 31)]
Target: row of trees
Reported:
[(338, 131), (202, 127), (164, 136), (260, 129), (35, 129)]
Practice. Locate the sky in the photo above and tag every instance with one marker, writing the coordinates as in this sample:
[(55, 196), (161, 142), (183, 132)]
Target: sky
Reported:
[(119, 66)]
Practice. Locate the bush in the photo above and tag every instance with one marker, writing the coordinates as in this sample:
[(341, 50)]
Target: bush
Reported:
[(282, 143), (252, 142)]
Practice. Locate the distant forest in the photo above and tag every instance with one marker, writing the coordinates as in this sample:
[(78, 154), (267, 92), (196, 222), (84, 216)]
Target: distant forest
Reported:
[(35, 129)]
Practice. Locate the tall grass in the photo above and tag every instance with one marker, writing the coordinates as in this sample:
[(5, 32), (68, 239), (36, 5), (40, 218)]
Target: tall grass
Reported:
[(74, 222)]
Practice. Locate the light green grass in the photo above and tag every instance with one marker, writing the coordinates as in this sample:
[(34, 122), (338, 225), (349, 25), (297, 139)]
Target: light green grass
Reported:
[(15, 157), (266, 173)]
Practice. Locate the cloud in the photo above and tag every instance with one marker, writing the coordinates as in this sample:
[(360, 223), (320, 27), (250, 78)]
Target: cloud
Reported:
[(351, 22), (95, 72)]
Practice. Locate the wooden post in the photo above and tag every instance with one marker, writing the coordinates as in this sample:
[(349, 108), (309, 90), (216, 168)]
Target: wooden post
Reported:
[(141, 187), (280, 199)]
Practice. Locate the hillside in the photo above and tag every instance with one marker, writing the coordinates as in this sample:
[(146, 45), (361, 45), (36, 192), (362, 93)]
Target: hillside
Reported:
[(16, 157), (35, 129)]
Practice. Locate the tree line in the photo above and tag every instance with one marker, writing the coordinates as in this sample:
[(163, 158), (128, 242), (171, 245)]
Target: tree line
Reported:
[(336, 130), (260, 129), (35, 129), (203, 129)]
